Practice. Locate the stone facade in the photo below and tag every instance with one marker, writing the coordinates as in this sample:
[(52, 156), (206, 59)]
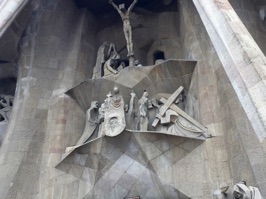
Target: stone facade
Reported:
[(55, 50)]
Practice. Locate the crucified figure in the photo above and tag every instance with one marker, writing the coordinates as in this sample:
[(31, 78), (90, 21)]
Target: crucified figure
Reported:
[(126, 24)]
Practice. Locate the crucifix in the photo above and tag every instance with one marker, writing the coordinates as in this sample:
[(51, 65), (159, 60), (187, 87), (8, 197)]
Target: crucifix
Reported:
[(125, 15)]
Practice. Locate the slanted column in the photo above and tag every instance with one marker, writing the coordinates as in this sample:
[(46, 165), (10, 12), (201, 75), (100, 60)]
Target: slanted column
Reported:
[(9, 9), (243, 60)]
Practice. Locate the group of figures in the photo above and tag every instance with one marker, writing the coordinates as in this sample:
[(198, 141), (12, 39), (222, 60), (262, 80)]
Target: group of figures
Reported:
[(107, 119), (109, 61), (6, 103), (240, 191), (146, 115)]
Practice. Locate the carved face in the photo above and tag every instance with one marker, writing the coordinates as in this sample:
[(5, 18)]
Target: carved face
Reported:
[(95, 104), (238, 195), (145, 94), (113, 123), (122, 7)]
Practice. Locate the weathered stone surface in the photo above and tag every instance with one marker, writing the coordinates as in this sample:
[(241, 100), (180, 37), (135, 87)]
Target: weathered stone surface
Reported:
[(60, 54)]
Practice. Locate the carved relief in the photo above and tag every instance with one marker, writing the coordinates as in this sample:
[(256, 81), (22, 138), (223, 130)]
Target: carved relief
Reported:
[(114, 115), (110, 120), (241, 190)]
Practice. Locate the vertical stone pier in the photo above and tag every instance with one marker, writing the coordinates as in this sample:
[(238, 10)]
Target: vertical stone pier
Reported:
[(245, 66), (243, 60)]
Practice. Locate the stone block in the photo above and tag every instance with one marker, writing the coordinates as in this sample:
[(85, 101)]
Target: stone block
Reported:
[(255, 156), (114, 173), (105, 184), (118, 192), (124, 162), (127, 181), (161, 162), (88, 175), (139, 189), (136, 170), (43, 104), (84, 188)]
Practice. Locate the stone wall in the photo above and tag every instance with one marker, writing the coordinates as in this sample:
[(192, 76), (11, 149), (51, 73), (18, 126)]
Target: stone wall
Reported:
[(203, 102), (57, 51), (248, 12), (235, 152)]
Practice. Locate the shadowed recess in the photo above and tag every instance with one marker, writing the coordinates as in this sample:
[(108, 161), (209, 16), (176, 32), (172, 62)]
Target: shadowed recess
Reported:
[(101, 7)]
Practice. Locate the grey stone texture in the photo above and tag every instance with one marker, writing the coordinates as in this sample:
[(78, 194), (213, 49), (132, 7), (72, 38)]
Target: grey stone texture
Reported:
[(60, 52), (224, 116)]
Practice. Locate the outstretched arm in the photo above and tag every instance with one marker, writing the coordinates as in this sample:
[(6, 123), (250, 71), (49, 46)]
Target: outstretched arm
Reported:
[(115, 6), (110, 68), (132, 5)]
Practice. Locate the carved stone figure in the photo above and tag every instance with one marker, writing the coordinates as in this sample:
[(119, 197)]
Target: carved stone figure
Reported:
[(92, 121), (112, 52), (175, 121), (167, 104), (221, 192), (109, 66), (121, 66), (111, 63), (6, 103), (143, 112), (132, 113), (101, 58), (185, 128), (136, 63), (114, 115), (241, 191), (125, 15)]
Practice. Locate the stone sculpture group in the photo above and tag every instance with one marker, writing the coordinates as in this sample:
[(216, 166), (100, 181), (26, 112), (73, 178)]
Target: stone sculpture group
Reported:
[(108, 61), (143, 115), (160, 114), (241, 190)]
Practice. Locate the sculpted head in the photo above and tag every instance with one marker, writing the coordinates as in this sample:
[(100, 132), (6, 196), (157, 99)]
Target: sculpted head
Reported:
[(240, 190), (133, 94), (116, 90), (94, 104), (122, 7), (145, 93)]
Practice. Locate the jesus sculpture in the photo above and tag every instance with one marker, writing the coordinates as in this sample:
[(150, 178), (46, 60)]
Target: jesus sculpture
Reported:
[(125, 14)]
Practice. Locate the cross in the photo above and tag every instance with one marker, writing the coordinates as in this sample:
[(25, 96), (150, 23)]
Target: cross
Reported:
[(183, 114), (167, 104)]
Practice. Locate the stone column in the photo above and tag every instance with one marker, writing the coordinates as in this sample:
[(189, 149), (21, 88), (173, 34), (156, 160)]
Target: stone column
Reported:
[(243, 60), (8, 12)]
